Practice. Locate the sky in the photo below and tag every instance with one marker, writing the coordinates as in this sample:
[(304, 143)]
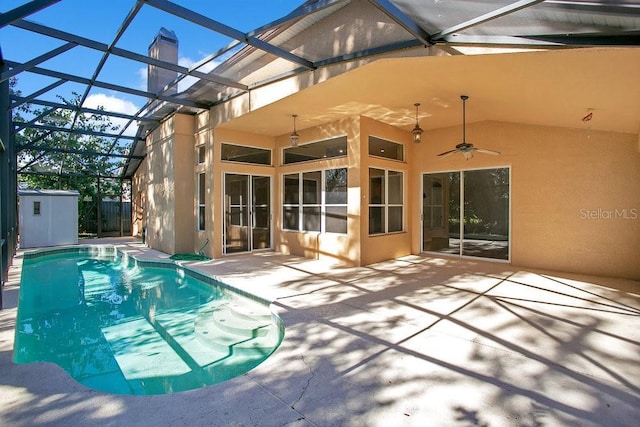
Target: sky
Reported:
[(100, 20)]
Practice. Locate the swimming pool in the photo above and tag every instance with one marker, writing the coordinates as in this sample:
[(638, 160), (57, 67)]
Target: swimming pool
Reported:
[(121, 325)]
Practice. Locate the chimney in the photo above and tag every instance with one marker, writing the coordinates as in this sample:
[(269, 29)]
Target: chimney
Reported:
[(165, 48)]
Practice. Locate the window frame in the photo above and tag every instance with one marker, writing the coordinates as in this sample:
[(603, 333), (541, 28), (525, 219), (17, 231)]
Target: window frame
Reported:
[(201, 200), (388, 141), (299, 203), (461, 185), (342, 153), (201, 154), (266, 150), (385, 205)]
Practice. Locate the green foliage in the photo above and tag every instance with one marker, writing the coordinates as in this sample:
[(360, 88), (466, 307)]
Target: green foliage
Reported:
[(40, 168)]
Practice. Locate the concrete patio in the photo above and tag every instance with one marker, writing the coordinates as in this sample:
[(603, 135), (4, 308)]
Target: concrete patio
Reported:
[(418, 341)]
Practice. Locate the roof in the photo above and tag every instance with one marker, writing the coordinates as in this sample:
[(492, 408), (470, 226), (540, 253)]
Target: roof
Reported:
[(311, 45), (50, 193)]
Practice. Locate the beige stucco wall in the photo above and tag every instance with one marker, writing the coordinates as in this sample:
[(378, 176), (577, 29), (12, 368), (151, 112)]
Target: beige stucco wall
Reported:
[(344, 248), (382, 247), (184, 166), (218, 168), (354, 28), (170, 191), (575, 202), (203, 137), (337, 247), (575, 198), (160, 190)]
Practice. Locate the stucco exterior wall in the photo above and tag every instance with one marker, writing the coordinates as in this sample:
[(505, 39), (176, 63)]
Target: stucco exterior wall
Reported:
[(170, 185), (381, 247), (218, 170), (184, 172), (337, 247), (355, 27), (575, 198), (160, 180), (203, 137), (575, 202)]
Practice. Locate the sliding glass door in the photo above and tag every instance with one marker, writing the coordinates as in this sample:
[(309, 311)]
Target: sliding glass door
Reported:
[(247, 213), (260, 212), (466, 213), (486, 213)]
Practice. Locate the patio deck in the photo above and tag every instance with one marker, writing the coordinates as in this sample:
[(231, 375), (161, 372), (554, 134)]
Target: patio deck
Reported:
[(416, 341)]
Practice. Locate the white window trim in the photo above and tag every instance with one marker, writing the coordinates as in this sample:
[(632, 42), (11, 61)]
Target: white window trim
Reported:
[(386, 205), (301, 205), (404, 150), (198, 148), (246, 146), (343, 156), (500, 166), (202, 203)]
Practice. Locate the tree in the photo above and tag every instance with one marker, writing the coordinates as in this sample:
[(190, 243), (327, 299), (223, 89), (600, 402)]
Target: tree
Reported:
[(49, 158)]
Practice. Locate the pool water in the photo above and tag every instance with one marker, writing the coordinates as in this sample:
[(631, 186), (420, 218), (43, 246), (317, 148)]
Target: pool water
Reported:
[(119, 327)]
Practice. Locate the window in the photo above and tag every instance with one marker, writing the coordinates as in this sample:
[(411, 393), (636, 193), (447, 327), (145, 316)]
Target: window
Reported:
[(311, 200), (291, 205), (335, 147), (386, 199), (201, 202), (387, 149), (335, 200), (201, 154), (241, 154), (36, 207), (315, 201)]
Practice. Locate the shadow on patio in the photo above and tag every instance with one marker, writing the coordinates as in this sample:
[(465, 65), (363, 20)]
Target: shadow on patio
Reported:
[(414, 341)]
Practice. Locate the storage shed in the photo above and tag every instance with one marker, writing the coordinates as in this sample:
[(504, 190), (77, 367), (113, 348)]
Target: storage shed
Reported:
[(48, 218)]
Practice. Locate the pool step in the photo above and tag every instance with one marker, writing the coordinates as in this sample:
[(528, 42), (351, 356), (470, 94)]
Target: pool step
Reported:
[(226, 328), (249, 310), (208, 345), (229, 320)]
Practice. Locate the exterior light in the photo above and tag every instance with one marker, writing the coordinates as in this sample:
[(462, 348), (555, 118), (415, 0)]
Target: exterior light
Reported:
[(417, 130), (294, 137)]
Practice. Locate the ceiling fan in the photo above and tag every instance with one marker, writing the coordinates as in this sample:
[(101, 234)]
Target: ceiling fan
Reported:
[(466, 148)]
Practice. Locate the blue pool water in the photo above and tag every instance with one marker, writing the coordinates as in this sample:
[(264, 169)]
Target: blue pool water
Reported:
[(120, 327)]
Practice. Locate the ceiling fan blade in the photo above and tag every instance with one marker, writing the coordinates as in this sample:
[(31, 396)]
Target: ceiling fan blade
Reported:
[(485, 151), (466, 148), (447, 153)]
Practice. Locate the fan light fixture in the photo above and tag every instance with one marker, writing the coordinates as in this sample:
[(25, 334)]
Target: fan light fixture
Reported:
[(466, 148), (294, 137), (417, 130)]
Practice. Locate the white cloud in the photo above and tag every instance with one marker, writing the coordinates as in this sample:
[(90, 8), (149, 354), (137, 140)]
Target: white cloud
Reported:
[(186, 62), (117, 105), (183, 61), (187, 82), (142, 76)]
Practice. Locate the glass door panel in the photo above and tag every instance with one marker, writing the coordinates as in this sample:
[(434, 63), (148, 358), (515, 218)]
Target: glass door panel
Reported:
[(486, 213), (236, 197), (261, 209), (247, 201), (483, 207), (441, 212)]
